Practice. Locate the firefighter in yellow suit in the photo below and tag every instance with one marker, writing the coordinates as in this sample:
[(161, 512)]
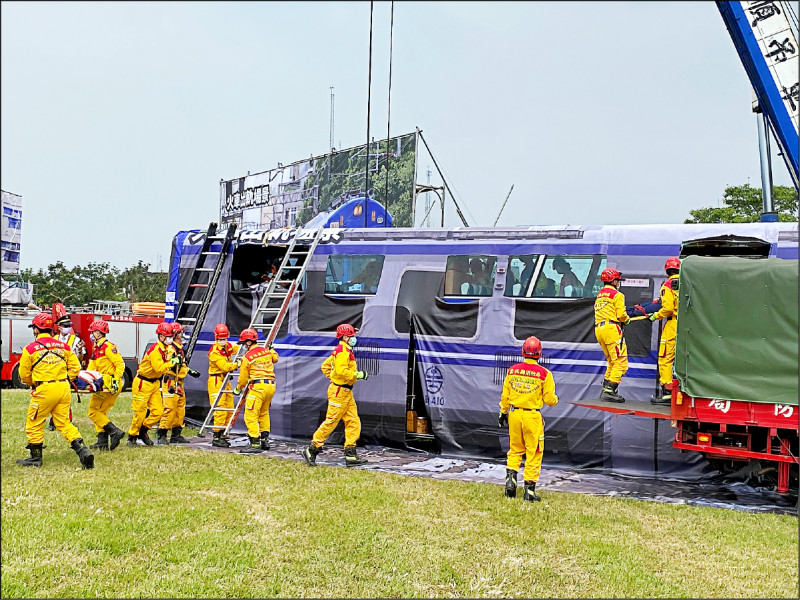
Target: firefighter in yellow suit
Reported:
[(180, 390), (47, 365), (172, 389), (609, 318), (221, 360), (107, 360), (146, 387), (527, 387), (257, 374), (340, 367), (669, 312)]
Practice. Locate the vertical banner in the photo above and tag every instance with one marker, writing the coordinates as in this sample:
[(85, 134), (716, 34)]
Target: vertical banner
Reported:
[(290, 196), (11, 233)]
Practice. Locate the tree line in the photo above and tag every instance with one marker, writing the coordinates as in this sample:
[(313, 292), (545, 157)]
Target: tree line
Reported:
[(80, 286)]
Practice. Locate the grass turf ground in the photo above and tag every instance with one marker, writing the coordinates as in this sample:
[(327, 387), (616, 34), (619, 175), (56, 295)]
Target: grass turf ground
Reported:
[(168, 521)]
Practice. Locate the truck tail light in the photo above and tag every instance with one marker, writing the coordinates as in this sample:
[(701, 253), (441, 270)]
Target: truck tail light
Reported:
[(679, 398), (703, 438)]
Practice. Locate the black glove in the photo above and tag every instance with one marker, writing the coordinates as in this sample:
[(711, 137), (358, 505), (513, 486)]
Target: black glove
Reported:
[(194, 373), (502, 419)]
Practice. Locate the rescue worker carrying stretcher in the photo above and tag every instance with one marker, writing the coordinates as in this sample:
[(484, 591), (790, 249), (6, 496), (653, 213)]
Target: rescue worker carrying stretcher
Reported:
[(257, 381), (105, 359), (146, 388), (219, 363), (48, 365), (668, 311), (527, 387), (174, 394), (340, 367), (610, 317)]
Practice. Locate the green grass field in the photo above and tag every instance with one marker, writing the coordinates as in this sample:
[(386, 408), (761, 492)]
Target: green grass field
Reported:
[(173, 522)]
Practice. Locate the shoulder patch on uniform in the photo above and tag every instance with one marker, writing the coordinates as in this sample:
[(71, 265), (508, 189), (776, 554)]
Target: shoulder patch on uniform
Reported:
[(114, 351)]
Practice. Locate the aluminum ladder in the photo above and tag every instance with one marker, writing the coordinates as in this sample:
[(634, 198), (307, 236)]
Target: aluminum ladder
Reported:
[(268, 319), (191, 309)]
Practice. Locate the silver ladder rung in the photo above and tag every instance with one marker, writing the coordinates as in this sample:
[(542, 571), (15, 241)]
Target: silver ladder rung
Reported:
[(210, 252), (223, 409), (269, 310), (192, 301), (204, 269), (186, 319), (261, 325)]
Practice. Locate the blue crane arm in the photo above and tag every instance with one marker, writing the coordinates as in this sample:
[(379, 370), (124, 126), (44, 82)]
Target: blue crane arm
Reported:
[(776, 98)]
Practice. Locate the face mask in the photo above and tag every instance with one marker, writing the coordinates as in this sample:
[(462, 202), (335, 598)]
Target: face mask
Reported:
[(96, 335), (352, 342), (222, 343), (66, 330), (168, 340)]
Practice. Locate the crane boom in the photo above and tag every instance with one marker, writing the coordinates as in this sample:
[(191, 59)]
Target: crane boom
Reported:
[(767, 46)]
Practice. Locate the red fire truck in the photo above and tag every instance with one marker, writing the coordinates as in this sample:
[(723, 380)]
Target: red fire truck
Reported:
[(131, 333)]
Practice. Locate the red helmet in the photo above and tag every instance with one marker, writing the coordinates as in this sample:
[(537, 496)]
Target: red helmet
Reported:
[(248, 334), (177, 328), (99, 325), (532, 347), (609, 275), (221, 331), (44, 320), (345, 329), (164, 328), (59, 312), (673, 263)]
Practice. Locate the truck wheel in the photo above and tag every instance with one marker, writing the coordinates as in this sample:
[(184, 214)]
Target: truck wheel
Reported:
[(16, 382), (126, 380)]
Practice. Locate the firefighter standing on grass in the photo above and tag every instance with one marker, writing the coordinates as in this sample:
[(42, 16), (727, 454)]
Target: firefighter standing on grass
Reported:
[(340, 367), (48, 365), (146, 388), (220, 362), (669, 312), (609, 318), (527, 387), (107, 360), (257, 382), (63, 332), (172, 389)]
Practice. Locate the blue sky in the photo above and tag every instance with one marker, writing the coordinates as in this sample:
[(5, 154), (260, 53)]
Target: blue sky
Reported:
[(119, 119)]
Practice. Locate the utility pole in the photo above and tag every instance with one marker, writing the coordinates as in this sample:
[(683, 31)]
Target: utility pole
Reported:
[(428, 199), (332, 95)]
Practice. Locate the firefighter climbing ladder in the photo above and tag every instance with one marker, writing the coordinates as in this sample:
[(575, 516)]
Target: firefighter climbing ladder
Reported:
[(268, 319), (193, 305)]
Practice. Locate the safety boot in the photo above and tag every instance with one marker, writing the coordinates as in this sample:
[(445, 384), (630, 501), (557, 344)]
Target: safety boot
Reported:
[(176, 437), (102, 441), (132, 440), (253, 448), (115, 435), (35, 459), (265, 440), (144, 437), (351, 458), (511, 483), (219, 441), (530, 492), (664, 398), (310, 455), (610, 392), (162, 440), (86, 456)]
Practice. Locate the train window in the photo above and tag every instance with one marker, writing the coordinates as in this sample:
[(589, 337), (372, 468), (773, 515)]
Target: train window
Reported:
[(353, 274), (521, 269), (570, 276), (469, 275)]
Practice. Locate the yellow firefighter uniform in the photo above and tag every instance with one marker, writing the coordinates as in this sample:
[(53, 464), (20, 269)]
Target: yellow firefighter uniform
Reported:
[(107, 360), (46, 365), (147, 387), (527, 387), (220, 363), (668, 311), (173, 393), (257, 373), (340, 368), (609, 316)]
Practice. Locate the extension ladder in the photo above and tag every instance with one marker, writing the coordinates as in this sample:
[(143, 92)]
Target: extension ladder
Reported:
[(191, 309), (267, 319)]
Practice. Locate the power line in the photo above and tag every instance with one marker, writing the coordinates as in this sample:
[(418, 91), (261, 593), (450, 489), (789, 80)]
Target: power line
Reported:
[(369, 93), (388, 122)]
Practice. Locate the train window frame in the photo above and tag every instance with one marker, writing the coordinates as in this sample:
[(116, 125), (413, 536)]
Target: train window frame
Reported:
[(546, 285), (511, 275), (472, 290), (334, 286)]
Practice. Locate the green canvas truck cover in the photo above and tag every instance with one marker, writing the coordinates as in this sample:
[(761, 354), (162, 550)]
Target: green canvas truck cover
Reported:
[(738, 329)]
